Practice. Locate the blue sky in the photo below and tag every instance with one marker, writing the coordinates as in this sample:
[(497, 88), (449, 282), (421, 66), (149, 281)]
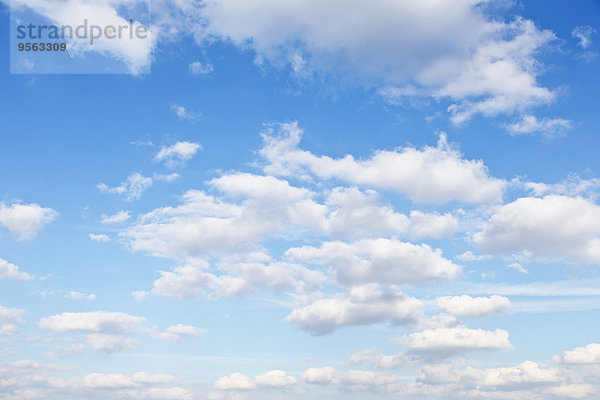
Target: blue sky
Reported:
[(304, 200)]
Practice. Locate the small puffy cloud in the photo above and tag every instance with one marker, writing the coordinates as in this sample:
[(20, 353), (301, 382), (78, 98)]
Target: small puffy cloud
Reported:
[(131, 189), (11, 271), (166, 177), (443, 342), (387, 261), (24, 221), (353, 380), (80, 296), (99, 237), (177, 332), (552, 228), (589, 354), (362, 305), (275, 379), (469, 256), (9, 319), (584, 34), (93, 321), (473, 306), (183, 112), (117, 218), (201, 68), (234, 381), (433, 175), (177, 153), (547, 127)]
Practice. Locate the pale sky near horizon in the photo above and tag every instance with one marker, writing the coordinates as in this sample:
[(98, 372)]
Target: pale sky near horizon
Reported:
[(303, 199)]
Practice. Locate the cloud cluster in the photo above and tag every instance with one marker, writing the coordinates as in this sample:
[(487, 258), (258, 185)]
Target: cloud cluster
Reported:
[(11, 271), (452, 50), (432, 175)]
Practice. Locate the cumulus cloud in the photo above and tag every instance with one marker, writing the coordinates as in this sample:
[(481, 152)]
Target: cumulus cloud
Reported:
[(176, 332), (93, 321), (274, 379), (350, 213), (551, 228), (444, 342), (473, 306), (362, 305), (432, 175), (353, 380), (548, 127), (99, 237), (24, 221), (31, 380), (131, 189), (387, 261), (80, 296), (451, 50), (117, 218), (9, 319), (178, 153), (526, 374), (234, 277), (589, 354), (11, 271)]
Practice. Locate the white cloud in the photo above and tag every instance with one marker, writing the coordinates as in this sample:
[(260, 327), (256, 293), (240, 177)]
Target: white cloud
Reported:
[(584, 34), (132, 188), (234, 381), (349, 213), (458, 51), (133, 51), (431, 175), (509, 378), (468, 256), (362, 305), (24, 221), (166, 177), (99, 238), (548, 127), (552, 228), (11, 271), (387, 261), (9, 319), (183, 112), (106, 343), (573, 186), (275, 379), (473, 306), (117, 218), (235, 277), (177, 332), (353, 380), (443, 342), (80, 296), (201, 68), (177, 153), (589, 354), (93, 321), (31, 380), (518, 267)]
